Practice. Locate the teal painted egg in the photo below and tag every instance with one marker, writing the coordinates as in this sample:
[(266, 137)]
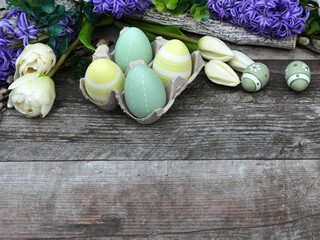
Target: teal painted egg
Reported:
[(298, 76), (255, 77), (132, 45), (101, 77), (143, 91)]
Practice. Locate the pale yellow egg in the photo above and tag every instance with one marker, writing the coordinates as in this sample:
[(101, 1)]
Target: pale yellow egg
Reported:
[(173, 59), (101, 77)]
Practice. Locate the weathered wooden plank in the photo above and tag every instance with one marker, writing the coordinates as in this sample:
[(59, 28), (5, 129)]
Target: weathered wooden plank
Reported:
[(206, 122), (224, 31), (160, 200)]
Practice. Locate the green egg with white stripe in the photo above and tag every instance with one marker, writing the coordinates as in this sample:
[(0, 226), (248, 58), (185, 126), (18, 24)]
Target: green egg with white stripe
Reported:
[(173, 59), (102, 75), (255, 77), (298, 76), (143, 91)]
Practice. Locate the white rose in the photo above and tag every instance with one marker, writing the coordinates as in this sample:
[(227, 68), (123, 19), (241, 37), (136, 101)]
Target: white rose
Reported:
[(35, 58), (32, 95)]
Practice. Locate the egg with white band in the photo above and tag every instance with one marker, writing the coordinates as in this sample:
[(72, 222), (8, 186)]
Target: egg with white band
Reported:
[(101, 77), (298, 76), (255, 77), (172, 60)]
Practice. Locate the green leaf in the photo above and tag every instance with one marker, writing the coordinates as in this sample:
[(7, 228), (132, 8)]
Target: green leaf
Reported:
[(202, 13), (85, 35), (55, 30), (78, 73), (84, 62), (74, 60), (90, 16), (47, 8), (63, 46), (52, 42)]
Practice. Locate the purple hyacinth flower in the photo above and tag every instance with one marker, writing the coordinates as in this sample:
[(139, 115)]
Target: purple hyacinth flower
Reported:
[(276, 19), (69, 21), (119, 8), (7, 63), (23, 30)]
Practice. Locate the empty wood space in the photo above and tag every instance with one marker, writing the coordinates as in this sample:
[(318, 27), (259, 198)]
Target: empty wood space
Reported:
[(215, 166)]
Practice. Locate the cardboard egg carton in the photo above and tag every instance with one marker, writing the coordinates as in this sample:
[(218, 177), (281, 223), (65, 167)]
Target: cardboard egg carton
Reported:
[(173, 89)]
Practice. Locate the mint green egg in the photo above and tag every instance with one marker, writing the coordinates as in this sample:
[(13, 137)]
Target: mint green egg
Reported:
[(132, 45), (298, 76), (143, 91), (255, 77)]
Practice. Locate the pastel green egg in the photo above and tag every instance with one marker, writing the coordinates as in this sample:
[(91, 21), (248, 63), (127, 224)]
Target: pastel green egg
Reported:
[(298, 76), (102, 75), (143, 91), (173, 59), (132, 45), (255, 77)]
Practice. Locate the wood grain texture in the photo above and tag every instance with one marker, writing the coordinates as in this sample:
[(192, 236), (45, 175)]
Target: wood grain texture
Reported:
[(207, 121), (222, 30), (160, 200)]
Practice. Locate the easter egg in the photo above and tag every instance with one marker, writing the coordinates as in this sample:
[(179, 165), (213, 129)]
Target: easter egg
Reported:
[(132, 45), (298, 76), (143, 91), (255, 77), (101, 76), (173, 59)]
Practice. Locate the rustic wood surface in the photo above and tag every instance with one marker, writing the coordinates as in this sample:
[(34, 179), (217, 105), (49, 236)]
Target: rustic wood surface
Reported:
[(207, 121), (222, 30), (172, 190), (160, 200)]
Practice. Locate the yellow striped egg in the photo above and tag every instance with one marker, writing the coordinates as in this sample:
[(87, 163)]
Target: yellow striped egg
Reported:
[(103, 75), (173, 59)]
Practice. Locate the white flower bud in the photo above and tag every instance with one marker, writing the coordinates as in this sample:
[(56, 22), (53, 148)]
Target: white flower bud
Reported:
[(240, 61), (316, 43), (212, 48), (221, 73), (35, 58), (304, 41), (32, 95)]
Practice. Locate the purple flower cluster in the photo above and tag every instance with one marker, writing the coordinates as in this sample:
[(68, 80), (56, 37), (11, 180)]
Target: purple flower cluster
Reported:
[(119, 8), (14, 26), (277, 19), (66, 29)]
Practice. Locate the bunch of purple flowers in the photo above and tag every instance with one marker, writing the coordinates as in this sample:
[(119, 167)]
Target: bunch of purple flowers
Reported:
[(14, 26), (277, 19), (119, 8)]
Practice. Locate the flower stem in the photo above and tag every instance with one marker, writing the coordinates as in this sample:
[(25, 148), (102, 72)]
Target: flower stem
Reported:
[(309, 5), (63, 58), (3, 106), (309, 49), (168, 34)]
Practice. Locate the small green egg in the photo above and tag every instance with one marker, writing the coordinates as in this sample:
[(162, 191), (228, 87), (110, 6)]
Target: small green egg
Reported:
[(132, 45), (143, 91), (255, 77), (298, 76)]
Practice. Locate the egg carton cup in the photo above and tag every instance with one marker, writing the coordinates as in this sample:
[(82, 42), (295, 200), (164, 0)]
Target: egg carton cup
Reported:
[(173, 89)]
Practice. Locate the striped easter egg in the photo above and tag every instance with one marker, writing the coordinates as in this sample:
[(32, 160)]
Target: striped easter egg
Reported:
[(173, 59), (103, 75)]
